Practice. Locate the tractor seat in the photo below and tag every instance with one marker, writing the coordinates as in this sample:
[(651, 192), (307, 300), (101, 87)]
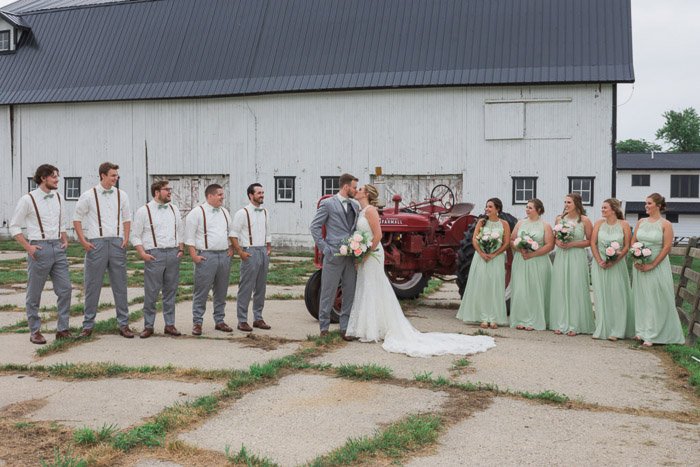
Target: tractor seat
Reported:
[(461, 209)]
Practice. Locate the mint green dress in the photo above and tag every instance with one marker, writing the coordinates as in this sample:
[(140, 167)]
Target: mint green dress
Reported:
[(530, 282), (484, 297), (570, 307), (655, 314), (614, 315)]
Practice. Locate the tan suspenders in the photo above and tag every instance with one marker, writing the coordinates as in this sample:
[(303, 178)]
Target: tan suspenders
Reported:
[(119, 209), (204, 216), (250, 230), (153, 232), (38, 217)]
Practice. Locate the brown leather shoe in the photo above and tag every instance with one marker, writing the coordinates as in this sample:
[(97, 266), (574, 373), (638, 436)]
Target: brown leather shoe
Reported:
[(63, 335), (171, 330), (259, 323), (196, 329), (324, 333), (223, 327), (85, 332), (345, 337), (37, 338), (245, 327), (146, 333), (126, 332)]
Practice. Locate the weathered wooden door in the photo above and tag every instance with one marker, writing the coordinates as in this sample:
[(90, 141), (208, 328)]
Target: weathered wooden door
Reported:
[(416, 188), (188, 190)]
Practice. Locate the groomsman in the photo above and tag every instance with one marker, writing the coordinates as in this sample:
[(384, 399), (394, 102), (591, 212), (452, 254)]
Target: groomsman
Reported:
[(102, 221), (252, 242), (41, 212), (207, 235), (158, 238)]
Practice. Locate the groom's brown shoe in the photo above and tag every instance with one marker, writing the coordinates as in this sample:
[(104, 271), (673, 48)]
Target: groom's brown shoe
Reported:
[(324, 333), (346, 337)]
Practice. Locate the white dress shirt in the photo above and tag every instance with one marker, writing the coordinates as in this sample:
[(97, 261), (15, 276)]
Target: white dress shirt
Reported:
[(344, 201), (86, 212), (219, 228), (167, 226), (50, 211), (259, 226)]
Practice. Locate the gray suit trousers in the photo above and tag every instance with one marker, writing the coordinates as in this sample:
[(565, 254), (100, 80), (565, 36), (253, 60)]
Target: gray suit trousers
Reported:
[(162, 273), (337, 270), (108, 255), (51, 262), (212, 272), (253, 282)]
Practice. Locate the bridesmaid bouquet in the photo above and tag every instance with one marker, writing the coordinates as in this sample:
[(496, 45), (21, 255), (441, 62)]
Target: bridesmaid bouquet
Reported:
[(489, 240), (612, 251), (357, 245), (640, 253), (564, 231), (525, 242)]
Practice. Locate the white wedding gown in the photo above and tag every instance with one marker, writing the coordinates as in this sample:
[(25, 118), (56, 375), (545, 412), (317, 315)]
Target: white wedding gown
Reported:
[(376, 314)]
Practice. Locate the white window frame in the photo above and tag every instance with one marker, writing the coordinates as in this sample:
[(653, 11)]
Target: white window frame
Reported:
[(74, 193), (520, 195), (31, 184), (284, 189), (5, 44), (330, 185), (587, 194)]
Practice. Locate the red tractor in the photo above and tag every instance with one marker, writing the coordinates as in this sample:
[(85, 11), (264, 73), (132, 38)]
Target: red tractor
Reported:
[(421, 240)]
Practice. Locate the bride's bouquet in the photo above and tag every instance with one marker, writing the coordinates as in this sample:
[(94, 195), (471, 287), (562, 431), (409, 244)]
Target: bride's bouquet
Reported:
[(357, 245), (489, 239)]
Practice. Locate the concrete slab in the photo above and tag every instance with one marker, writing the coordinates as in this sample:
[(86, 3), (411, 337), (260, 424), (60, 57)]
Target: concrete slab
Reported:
[(402, 366), (312, 415), (513, 432), (48, 298), (8, 318), (12, 255), (99, 402), (206, 354), (77, 321), (17, 349)]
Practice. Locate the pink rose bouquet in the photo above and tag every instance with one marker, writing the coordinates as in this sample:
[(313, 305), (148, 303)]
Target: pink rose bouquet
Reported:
[(525, 242)]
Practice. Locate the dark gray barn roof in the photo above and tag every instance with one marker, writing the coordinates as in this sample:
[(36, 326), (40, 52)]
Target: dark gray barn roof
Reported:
[(152, 49), (660, 161)]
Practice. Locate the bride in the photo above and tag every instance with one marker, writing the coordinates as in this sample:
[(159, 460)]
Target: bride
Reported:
[(376, 313)]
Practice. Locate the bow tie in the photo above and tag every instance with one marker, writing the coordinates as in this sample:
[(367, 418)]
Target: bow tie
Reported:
[(162, 206), (50, 195), (259, 209), (344, 201), (215, 209), (108, 192)]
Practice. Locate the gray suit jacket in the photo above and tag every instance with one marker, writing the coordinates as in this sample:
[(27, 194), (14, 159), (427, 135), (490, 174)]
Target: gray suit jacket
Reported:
[(331, 213)]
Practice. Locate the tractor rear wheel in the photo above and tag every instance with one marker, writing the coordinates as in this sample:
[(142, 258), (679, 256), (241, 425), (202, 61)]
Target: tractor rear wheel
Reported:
[(312, 297), (465, 255), (409, 287)]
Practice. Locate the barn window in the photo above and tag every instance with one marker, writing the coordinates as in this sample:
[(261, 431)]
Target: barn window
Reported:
[(72, 185), (524, 189), (641, 180), (31, 184), (284, 189), (330, 185), (4, 41), (684, 186), (584, 187)]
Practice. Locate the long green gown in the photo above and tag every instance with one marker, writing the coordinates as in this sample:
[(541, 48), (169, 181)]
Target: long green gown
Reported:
[(570, 307), (530, 283), (484, 297), (654, 304), (614, 315)]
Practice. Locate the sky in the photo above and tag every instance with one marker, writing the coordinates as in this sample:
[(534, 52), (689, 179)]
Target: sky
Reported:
[(666, 48)]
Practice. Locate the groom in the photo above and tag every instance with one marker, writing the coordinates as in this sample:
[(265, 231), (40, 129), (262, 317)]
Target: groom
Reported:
[(339, 215)]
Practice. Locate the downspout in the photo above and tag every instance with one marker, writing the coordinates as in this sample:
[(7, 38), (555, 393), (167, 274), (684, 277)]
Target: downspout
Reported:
[(614, 141)]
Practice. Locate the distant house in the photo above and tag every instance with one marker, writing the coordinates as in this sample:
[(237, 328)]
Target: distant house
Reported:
[(676, 176), (507, 98)]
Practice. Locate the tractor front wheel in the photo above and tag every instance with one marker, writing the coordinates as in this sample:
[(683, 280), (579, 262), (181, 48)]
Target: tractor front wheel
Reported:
[(312, 297), (409, 287)]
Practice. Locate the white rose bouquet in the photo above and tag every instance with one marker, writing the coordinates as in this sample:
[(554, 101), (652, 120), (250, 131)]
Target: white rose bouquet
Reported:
[(357, 246), (640, 253), (489, 239), (564, 231), (525, 242)]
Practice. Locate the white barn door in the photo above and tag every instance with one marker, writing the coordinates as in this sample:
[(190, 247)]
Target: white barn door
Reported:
[(416, 188), (188, 190)]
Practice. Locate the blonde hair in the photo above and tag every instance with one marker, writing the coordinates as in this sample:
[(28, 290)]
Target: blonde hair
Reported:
[(372, 195), (616, 206)]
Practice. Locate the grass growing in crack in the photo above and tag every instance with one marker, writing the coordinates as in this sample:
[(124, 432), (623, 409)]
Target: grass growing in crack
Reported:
[(244, 457), (683, 356), (394, 442), (332, 337), (150, 434), (366, 372), (548, 395), (460, 363), (285, 296), (22, 425), (59, 345), (88, 436), (441, 381), (432, 287), (64, 460)]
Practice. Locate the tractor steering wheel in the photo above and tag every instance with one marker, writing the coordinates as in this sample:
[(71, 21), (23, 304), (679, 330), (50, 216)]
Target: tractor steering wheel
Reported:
[(444, 196)]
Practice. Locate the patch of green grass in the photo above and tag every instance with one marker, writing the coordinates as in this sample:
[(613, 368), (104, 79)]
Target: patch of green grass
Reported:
[(64, 460), (290, 273), (548, 395), (13, 277), (333, 337), (59, 345), (22, 425), (149, 434), (396, 441), (111, 326), (366, 372), (285, 296), (432, 287), (208, 404), (683, 356), (244, 457), (441, 381), (460, 363), (10, 307), (295, 253)]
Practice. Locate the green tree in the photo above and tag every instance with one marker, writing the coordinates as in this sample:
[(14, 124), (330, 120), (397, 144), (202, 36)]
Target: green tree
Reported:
[(636, 145), (681, 130)]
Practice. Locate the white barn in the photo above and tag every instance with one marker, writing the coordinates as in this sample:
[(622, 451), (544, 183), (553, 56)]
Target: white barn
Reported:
[(507, 98), (676, 176)]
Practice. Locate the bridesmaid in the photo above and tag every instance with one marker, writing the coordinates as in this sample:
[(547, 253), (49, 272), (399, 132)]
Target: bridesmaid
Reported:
[(532, 271), (570, 307), (614, 315), (484, 297), (656, 318)]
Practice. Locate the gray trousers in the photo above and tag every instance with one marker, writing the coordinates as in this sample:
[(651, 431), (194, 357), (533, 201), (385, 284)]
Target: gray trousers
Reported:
[(337, 270), (51, 262), (212, 272), (160, 273), (253, 282), (108, 255)]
